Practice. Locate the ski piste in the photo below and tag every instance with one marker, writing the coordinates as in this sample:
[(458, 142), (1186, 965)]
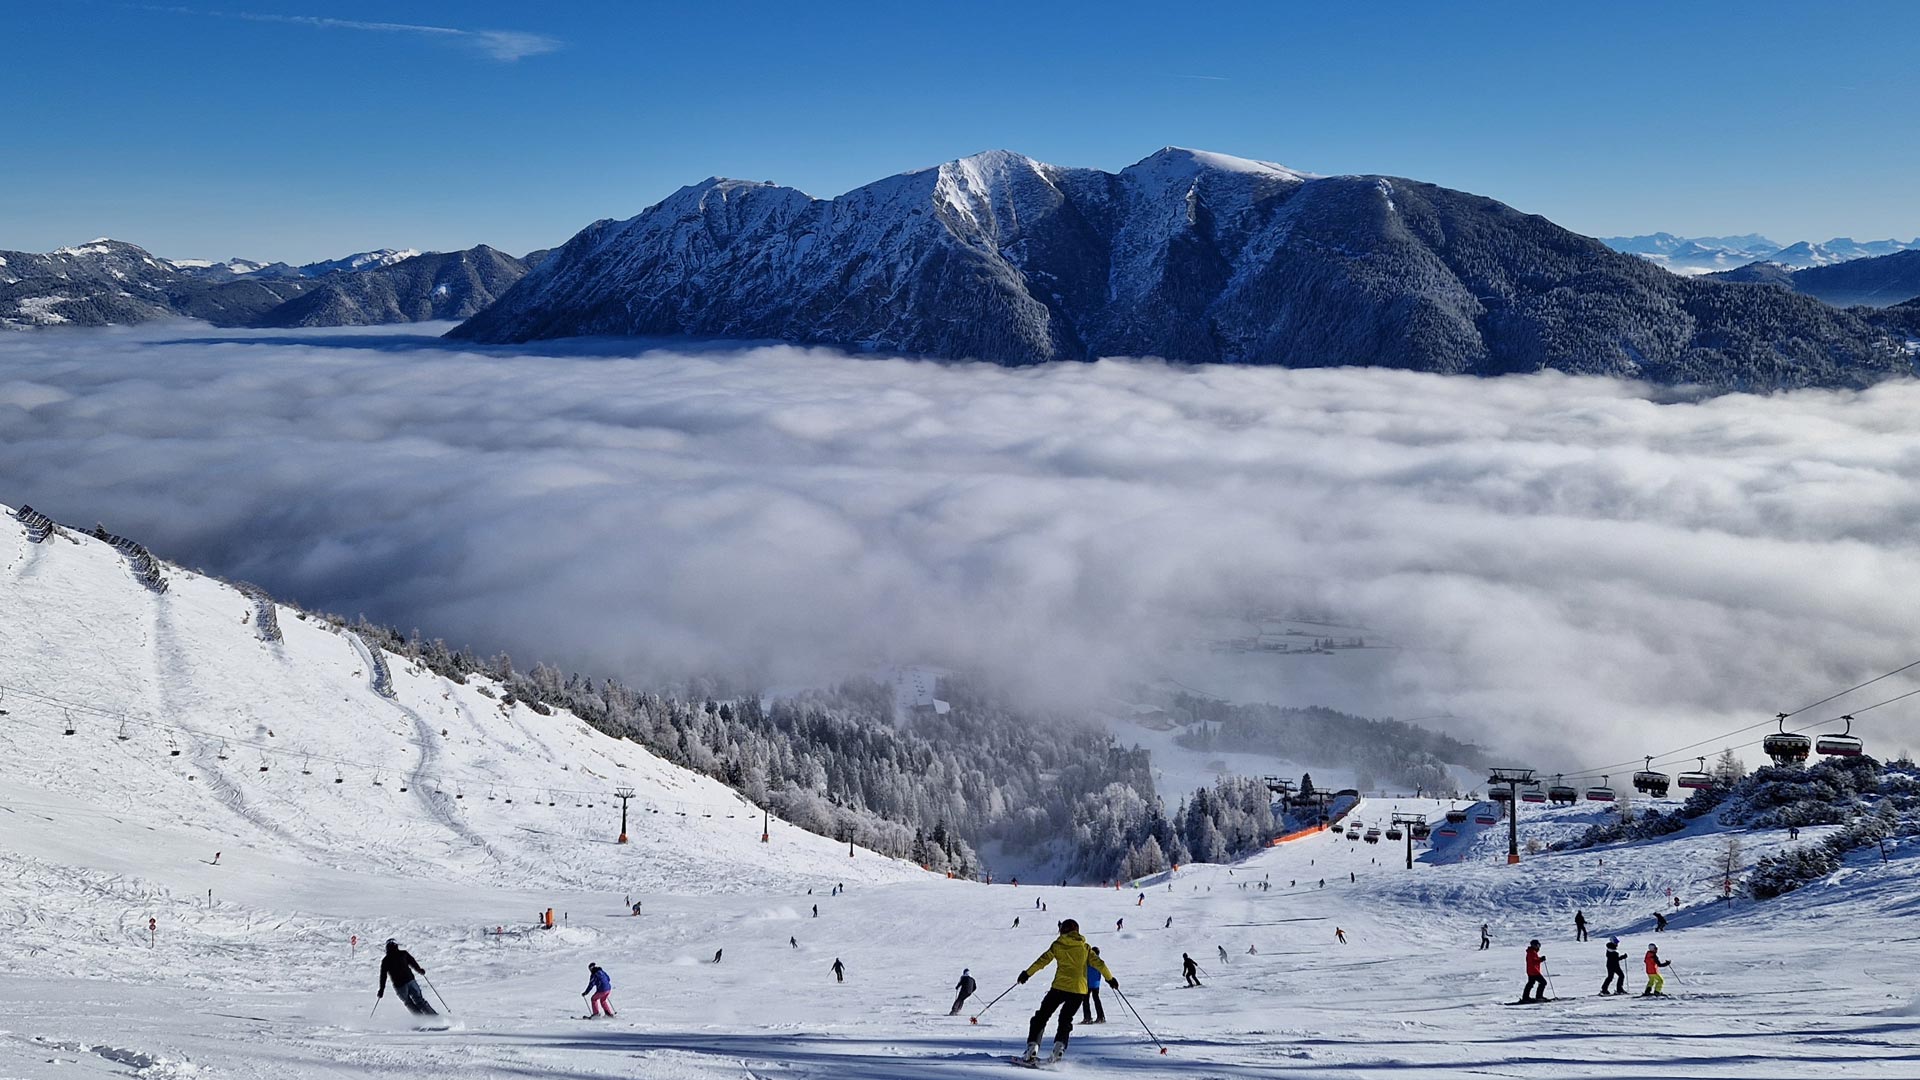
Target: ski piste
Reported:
[(441, 876)]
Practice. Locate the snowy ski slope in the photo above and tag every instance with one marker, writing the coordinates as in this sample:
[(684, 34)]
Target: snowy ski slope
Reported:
[(261, 977)]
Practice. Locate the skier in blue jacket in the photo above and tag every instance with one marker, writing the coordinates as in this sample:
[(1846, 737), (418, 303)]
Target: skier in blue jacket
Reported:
[(1091, 1005), (599, 984)]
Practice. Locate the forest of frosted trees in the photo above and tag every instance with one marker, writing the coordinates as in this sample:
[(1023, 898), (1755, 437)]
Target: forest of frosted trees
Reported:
[(939, 787)]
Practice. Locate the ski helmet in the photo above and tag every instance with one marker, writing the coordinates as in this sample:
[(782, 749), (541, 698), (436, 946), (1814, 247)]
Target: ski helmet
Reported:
[(392, 944), (1069, 926), (1534, 944), (1613, 941)]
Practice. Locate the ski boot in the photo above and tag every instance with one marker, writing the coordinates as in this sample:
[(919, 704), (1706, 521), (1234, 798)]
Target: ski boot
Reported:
[(1033, 1053), (1059, 1051)]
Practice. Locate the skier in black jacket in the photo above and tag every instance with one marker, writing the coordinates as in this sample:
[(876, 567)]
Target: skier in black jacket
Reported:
[(1616, 975), (966, 986), (1190, 969), (399, 966)]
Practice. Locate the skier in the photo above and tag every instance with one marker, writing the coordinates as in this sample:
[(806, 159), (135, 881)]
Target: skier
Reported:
[(636, 907), (1253, 950), (1190, 969), (1016, 922), (1117, 924), (966, 986), (1169, 925), (1536, 988), (839, 970), (1616, 976), (1140, 901), (1659, 923), (793, 942), (599, 984), (216, 858), (716, 955), (1071, 957), (1486, 939), (1091, 1005), (1579, 926), (816, 911), (1340, 934), (399, 966), (1656, 982), (1223, 952)]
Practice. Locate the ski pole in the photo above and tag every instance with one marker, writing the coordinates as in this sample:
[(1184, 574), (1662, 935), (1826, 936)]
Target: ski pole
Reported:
[(975, 1018), (436, 993), (1143, 1023), (1551, 989), (376, 1006)]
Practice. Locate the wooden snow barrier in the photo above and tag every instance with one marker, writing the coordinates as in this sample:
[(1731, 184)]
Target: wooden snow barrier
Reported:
[(39, 526), (266, 614), (146, 569), (382, 678)]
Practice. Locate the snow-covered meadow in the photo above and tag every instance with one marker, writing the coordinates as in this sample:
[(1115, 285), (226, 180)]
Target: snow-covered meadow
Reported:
[(251, 969)]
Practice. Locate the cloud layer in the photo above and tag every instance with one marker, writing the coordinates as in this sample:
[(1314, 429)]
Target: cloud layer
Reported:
[(1557, 561), (504, 45)]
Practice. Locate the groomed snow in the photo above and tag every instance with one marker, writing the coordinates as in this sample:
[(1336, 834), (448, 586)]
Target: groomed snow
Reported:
[(251, 970)]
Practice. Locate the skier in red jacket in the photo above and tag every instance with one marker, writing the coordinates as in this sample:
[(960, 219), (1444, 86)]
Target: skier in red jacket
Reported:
[(1536, 988)]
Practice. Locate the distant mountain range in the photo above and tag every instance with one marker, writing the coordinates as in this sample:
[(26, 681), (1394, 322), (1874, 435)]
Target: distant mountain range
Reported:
[(106, 282), (1186, 255), (1881, 281), (1707, 254)]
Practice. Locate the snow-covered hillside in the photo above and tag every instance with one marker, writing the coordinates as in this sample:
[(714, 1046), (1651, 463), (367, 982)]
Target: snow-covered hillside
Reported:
[(374, 818)]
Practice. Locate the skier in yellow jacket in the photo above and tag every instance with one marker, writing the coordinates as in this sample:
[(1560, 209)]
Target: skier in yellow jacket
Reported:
[(1071, 957)]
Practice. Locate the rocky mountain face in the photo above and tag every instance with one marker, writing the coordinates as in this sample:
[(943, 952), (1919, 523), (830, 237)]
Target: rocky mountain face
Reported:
[(1190, 256), (1874, 282), (108, 282)]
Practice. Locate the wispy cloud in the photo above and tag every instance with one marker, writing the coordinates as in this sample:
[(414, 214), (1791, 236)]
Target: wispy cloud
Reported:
[(506, 45), (1204, 78)]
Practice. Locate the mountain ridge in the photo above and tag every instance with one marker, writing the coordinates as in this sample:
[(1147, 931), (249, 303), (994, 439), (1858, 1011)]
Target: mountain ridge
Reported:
[(1185, 255)]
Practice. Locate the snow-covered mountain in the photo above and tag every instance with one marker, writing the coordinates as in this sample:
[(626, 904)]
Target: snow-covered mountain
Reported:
[(1707, 254), (1878, 281), (110, 282), (1192, 256)]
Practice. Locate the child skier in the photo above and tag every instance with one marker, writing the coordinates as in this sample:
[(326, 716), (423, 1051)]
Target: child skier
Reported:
[(1536, 988), (599, 984), (1616, 976), (1656, 982), (1091, 1005), (399, 966), (1071, 957)]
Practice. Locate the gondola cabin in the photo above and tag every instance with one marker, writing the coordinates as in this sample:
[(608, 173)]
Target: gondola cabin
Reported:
[(1456, 817), (1533, 794), (1840, 744), (1394, 833), (1698, 778), (1785, 747), (1649, 781), (1601, 792)]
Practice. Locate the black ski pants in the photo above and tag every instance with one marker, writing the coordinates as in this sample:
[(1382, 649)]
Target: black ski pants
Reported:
[(1615, 978), (413, 999), (1580, 932), (1192, 979), (958, 1002), (1056, 998), (1536, 987), (1091, 1006)]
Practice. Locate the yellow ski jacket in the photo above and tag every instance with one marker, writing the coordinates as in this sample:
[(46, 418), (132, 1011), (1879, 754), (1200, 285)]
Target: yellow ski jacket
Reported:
[(1071, 956)]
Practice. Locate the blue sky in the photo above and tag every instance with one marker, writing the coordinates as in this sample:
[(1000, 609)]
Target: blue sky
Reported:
[(303, 130)]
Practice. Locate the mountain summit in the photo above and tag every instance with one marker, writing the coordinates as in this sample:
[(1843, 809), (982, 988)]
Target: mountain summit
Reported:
[(1191, 256)]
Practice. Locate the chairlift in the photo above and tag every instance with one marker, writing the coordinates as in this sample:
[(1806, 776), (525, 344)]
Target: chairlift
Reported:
[(1501, 795), (1447, 832), (173, 748), (222, 753), (489, 794), (306, 766), (1533, 793), (1421, 831), (1785, 747), (1562, 793), (123, 736), (1456, 816), (1602, 792), (1394, 833), (1700, 778), (459, 793), (69, 717), (339, 777), (263, 764), (1487, 814), (377, 781), (1843, 744), (1649, 782)]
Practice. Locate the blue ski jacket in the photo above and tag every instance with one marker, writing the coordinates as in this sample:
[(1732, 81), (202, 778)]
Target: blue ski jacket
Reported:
[(600, 981)]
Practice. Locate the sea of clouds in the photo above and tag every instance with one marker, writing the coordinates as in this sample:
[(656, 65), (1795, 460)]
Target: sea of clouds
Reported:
[(1556, 561)]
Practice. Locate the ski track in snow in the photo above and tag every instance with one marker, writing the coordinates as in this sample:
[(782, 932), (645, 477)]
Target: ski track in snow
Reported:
[(99, 834)]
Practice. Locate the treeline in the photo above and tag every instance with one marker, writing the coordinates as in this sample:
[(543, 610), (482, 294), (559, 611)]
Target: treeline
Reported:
[(1380, 751), (1124, 835), (836, 763)]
